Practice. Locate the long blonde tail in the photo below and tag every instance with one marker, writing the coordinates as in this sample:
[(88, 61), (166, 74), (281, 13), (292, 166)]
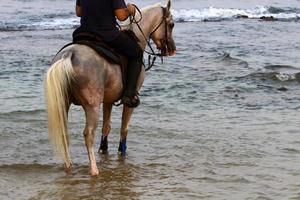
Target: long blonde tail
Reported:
[(58, 79)]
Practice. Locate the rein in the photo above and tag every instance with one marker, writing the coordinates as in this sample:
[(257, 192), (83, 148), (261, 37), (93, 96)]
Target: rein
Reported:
[(152, 53)]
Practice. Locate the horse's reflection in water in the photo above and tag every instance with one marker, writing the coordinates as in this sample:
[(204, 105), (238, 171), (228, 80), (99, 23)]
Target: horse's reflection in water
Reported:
[(79, 75), (118, 180)]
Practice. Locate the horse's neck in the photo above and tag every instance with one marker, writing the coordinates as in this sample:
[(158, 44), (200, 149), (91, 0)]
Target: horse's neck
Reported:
[(150, 19)]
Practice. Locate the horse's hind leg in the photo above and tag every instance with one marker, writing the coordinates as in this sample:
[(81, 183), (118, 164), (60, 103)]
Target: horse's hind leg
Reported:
[(105, 127), (126, 115), (92, 116)]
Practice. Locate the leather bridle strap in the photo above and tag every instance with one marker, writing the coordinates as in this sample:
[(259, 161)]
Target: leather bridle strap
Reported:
[(151, 63), (163, 19)]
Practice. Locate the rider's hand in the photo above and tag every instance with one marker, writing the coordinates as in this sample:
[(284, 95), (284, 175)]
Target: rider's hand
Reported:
[(131, 9)]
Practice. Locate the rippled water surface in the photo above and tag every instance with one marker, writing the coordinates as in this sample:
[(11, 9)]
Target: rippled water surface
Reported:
[(220, 120)]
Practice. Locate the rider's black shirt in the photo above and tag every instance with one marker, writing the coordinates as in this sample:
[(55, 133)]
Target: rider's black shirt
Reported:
[(99, 18)]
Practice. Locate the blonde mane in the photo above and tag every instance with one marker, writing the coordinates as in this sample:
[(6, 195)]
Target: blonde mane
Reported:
[(145, 9)]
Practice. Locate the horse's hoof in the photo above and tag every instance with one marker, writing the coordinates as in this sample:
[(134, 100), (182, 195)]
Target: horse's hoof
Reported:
[(103, 152), (122, 147), (68, 168), (94, 172), (103, 145)]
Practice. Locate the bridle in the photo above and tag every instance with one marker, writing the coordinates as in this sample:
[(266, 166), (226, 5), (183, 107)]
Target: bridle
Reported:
[(163, 20)]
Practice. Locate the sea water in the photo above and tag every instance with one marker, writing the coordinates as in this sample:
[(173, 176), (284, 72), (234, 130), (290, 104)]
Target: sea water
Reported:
[(220, 120)]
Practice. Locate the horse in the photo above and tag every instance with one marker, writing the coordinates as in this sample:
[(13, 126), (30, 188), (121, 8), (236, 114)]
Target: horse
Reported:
[(78, 75)]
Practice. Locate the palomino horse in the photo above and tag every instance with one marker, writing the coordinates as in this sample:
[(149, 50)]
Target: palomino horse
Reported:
[(80, 76)]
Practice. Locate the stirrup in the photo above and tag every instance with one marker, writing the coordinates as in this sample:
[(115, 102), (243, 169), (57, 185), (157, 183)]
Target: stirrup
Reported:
[(131, 99)]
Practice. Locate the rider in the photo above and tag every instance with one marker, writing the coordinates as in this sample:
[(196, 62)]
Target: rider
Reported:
[(99, 18)]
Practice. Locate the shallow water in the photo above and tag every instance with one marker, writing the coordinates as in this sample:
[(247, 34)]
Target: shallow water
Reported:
[(217, 121)]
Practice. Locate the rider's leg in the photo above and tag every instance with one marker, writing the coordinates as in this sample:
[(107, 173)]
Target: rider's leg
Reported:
[(131, 49)]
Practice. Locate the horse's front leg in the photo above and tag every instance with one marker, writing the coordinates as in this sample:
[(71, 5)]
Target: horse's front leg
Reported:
[(126, 115), (105, 127), (92, 117)]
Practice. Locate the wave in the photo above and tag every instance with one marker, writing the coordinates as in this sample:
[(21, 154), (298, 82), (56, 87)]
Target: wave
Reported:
[(226, 57), (68, 20), (283, 73), (219, 14), (273, 76), (30, 167), (50, 23), (283, 77), (22, 113), (281, 67)]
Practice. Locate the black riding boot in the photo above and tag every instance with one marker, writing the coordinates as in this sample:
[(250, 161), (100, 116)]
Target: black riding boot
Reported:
[(130, 97)]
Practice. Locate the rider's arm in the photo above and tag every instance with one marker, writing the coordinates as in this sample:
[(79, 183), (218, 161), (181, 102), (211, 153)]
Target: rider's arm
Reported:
[(122, 11), (78, 9)]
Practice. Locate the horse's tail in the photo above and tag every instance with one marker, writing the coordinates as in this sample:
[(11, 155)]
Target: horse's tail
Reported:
[(58, 79)]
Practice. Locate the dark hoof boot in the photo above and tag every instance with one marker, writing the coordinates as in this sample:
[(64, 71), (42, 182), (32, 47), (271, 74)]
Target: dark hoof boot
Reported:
[(131, 99), (103, 145), (122, 147)]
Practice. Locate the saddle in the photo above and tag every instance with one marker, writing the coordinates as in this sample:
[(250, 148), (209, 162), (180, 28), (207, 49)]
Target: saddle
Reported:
[(105, 51), (99, 46)]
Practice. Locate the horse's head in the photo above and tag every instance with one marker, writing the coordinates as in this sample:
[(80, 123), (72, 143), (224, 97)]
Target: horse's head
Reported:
[(162, 34)]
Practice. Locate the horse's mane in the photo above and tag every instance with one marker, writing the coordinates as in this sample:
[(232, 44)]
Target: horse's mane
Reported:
[(144, 12), (145, 9)]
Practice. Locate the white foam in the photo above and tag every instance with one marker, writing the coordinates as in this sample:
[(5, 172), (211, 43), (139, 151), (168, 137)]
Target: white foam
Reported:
[(286, 76), (179, 15), (57, 23), (212, 13)]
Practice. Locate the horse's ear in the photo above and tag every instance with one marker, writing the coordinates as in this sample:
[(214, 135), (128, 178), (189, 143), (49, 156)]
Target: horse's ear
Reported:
[(169, 5)]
